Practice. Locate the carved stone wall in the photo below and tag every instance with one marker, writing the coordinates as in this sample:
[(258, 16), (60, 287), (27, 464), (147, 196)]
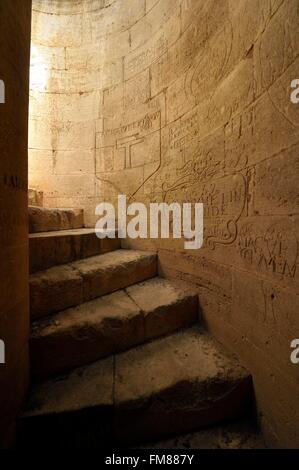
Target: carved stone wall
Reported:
[(187, 100), (14, 312)]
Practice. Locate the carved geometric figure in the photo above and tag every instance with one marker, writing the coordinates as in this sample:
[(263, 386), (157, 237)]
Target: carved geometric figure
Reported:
[(127, 143), (133, 147)]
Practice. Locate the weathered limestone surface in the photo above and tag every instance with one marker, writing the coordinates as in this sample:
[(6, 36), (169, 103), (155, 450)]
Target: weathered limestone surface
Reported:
[(14, 315), (71, 284), (79, 336), (238, 435), (165, 306), (35, 198), (112, 271), (188, 383), (110, 324), (187, 100), (71, 411), (47, 220), (84, 387), (47, 249)]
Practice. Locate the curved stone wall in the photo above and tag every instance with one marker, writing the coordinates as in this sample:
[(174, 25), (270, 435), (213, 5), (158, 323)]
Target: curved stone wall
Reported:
[(186, 100)]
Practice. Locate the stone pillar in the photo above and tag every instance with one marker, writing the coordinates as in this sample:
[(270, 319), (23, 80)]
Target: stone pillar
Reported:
[(15, 22)]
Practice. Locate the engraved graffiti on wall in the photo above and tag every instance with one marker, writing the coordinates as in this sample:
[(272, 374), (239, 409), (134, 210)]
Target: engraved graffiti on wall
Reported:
[(209, 67), (129, 154), (224, 202), (273, 250)]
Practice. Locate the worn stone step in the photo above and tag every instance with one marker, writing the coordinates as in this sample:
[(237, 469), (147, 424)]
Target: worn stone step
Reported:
[(109, 325), (47, 249), (71, 411), (172, 385), (241, 433), (42, 219), (177, 384), (65, 286)]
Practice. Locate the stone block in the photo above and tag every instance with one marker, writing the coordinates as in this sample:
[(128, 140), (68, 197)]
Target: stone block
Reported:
[(112, 271), (55, 289), (82, 335), (185, 396), (48, 220), (49, 249)]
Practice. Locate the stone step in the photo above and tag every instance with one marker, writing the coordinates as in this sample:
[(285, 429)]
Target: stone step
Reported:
[(72, 284), (47, 249), (51, 220), (241, 433), (109, 325), (173, 385)]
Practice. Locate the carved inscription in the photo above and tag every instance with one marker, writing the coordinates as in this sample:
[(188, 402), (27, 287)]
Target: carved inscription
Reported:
[(274, 250), (123, 151), (209, 67), (182, 134), (14, 182), (145, 58), (122, 142), (224, 202)]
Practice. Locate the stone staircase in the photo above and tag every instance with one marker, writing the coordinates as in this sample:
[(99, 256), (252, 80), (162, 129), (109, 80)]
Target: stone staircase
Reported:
[(117, 353)]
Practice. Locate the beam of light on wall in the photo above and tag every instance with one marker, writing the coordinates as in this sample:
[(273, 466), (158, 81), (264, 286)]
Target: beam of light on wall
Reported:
[(39, 73), (39, 79)]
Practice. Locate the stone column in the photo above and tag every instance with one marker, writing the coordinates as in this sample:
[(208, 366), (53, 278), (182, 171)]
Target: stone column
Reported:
[(15, 23)]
